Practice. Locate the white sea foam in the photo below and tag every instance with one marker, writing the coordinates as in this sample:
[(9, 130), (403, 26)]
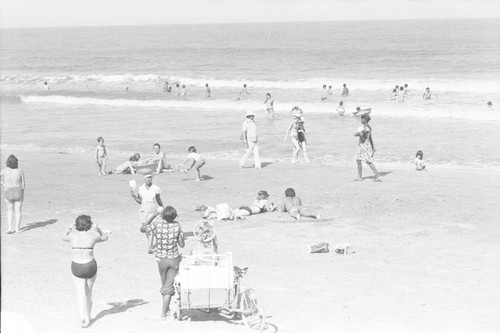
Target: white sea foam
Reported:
[(438, 85), (384, 108)]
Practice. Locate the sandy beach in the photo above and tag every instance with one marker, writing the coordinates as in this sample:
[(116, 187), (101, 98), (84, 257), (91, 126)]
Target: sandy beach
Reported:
[(426, 248)]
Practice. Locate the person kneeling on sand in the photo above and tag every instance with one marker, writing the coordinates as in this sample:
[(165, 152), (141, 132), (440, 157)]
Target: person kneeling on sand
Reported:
[(260, 205), (293, 206), (128, 166)]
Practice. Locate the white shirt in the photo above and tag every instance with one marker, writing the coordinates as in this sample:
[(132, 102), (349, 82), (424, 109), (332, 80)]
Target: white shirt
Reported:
[(195, 156), (149, 195), (250, 127)]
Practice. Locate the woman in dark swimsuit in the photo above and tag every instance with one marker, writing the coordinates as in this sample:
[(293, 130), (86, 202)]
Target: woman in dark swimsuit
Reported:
[(84, 266)]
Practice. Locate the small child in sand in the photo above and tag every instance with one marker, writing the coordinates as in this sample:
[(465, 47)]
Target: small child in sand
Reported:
[(340, 109), (196, 162), (419, 161), (100, 156)]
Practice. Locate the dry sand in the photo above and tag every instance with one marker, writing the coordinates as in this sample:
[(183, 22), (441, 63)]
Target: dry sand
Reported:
[(426, 249)]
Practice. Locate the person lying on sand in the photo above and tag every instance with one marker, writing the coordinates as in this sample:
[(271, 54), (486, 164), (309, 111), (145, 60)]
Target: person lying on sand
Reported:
[(260, 205), (128, 166), (293, 206)]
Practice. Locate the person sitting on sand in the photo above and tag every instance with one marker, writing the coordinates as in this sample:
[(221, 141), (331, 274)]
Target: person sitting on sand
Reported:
[(196, 162), (128, 166), (293, 206), (419, 161), (260, 205), (160, 157), (366, 149), (83, 265), (169, 236)]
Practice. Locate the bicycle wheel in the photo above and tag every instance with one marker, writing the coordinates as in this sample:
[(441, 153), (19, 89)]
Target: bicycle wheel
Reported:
[(252, 311)]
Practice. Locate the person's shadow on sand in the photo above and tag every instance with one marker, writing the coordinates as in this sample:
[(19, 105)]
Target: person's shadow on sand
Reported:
[(117, 307), (382, 174), (34, 225)]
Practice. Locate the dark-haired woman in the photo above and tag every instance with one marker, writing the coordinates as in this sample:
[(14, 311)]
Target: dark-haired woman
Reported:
[(365, 148), (167, 237), (84, 267), (14, 184)]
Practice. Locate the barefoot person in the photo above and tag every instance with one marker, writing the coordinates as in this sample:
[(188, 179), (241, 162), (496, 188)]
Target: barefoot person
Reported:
[(14, 185), (269, 105), (196, 161), (296, 131), (249, 138), (260, 205), (293, 206), (366, 150), (84, 267), (159, 157), (148, 196), (168, 236), (127, 166), (101, 156)]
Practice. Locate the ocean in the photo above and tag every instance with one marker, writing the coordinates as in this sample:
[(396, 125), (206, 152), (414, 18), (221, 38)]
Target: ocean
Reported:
[(108, 81)]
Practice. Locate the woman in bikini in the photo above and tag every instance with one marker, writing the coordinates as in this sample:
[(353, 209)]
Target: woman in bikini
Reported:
[(269, 105), (366, 150), (14, 184), (84, 267), (260, 205), (297, 134)]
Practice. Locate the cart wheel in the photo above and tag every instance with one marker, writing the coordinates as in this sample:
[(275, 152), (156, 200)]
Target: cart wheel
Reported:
[(252, 311), (204, 231)]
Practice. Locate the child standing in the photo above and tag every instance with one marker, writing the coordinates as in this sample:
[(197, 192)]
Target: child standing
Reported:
[(419, 161), (100, 156), (340, 109), (196, 162)]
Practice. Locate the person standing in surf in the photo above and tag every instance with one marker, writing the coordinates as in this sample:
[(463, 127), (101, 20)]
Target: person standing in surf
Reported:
[(269, 105)]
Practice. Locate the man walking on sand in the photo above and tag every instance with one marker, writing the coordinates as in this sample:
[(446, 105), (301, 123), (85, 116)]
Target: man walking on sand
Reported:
[(249, 138)]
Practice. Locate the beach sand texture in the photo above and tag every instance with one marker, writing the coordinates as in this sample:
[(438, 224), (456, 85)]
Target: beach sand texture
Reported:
[(426, 250)]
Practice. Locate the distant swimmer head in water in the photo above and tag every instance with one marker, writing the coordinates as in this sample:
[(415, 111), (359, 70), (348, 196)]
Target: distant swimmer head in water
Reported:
[(489, 104)]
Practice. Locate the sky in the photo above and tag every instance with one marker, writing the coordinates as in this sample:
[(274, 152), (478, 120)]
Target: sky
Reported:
[(54, 13)]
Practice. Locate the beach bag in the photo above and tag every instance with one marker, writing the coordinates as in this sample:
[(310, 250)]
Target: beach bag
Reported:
[(223, 211), (14, 193)]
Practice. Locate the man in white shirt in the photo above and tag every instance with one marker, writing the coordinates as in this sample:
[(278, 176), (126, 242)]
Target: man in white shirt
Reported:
[(249, 138), (159, 157)]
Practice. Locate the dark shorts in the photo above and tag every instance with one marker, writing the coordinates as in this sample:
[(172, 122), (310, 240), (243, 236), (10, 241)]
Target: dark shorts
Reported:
[(247, 209), (168, 268), (84, 271)]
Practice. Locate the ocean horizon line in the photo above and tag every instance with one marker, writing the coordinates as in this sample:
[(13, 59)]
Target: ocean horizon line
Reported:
[(250, 23)]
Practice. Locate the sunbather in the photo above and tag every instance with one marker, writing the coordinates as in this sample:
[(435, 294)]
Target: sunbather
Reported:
[(260, 205), (293, 206)]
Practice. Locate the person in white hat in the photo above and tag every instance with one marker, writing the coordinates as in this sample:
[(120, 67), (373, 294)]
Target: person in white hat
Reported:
[(148, 196), (249, 138)]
